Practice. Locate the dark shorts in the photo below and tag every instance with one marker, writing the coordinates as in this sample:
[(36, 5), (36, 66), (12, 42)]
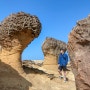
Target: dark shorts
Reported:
[(62, 68)]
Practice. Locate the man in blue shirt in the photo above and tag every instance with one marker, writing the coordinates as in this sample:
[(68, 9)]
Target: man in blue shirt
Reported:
[(62, 62)]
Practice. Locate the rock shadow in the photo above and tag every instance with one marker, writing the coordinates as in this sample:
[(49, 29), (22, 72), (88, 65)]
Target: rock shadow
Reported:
[(31, 70), (10, 79)]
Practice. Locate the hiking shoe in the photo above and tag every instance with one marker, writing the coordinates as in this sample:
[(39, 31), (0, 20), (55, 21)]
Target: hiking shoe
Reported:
[(61, 77), (65, 79)]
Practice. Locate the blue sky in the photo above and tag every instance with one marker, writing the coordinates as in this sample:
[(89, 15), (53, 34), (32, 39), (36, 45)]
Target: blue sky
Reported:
[(58, 17)]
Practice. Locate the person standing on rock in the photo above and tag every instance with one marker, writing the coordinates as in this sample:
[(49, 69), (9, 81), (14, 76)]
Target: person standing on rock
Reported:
[(62, 62)]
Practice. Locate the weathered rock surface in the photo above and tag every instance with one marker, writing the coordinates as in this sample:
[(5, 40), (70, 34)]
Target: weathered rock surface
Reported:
[(32, 62), (79, 51), (16, 32), (51, 49)]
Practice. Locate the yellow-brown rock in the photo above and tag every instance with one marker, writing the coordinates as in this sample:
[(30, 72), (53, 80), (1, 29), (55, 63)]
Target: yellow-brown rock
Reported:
[(51, 49), (16, 32)]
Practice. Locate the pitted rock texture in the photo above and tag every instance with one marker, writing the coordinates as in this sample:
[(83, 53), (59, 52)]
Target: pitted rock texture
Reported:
[(17, 23), (53, 46), (51, 49), (16, 32), (79, 51)]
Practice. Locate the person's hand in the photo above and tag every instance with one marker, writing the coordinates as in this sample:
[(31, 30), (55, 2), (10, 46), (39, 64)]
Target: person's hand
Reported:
[(58, 65)]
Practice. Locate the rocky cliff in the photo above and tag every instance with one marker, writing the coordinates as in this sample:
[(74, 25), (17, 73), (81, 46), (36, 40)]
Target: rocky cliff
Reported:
[(51, 49), (16, 32), (79, 51)]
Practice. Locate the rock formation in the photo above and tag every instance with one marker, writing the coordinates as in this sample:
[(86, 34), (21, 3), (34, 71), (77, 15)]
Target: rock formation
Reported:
[(79, 51), (51, 49), (16, 32)]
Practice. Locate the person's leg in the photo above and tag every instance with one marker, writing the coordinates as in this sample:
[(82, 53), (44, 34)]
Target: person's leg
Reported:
[(64, 72), (60, 71)]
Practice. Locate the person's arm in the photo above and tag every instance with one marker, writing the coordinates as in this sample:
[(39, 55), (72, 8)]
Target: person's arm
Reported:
[(66, 59)]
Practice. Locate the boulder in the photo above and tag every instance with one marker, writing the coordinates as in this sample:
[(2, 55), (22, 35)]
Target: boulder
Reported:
[(79, 51), (51, 49), (16, 32)]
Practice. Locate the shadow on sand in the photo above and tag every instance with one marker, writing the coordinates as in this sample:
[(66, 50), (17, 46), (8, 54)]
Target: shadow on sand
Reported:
[(10, 79)]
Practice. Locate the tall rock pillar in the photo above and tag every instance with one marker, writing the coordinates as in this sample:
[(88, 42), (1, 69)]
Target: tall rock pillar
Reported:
[(79, 51), (51, 49)]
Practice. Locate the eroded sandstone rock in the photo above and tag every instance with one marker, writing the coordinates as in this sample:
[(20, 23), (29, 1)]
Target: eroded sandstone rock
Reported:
[(51, 49), (16, 32), (79, 51)]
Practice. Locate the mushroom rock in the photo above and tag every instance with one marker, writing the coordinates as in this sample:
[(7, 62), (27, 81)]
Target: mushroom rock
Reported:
[(16, 32), (79, 51), (51, 49)]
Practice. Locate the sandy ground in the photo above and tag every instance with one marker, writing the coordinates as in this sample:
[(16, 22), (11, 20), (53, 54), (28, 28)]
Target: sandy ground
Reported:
[(41, 81)]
